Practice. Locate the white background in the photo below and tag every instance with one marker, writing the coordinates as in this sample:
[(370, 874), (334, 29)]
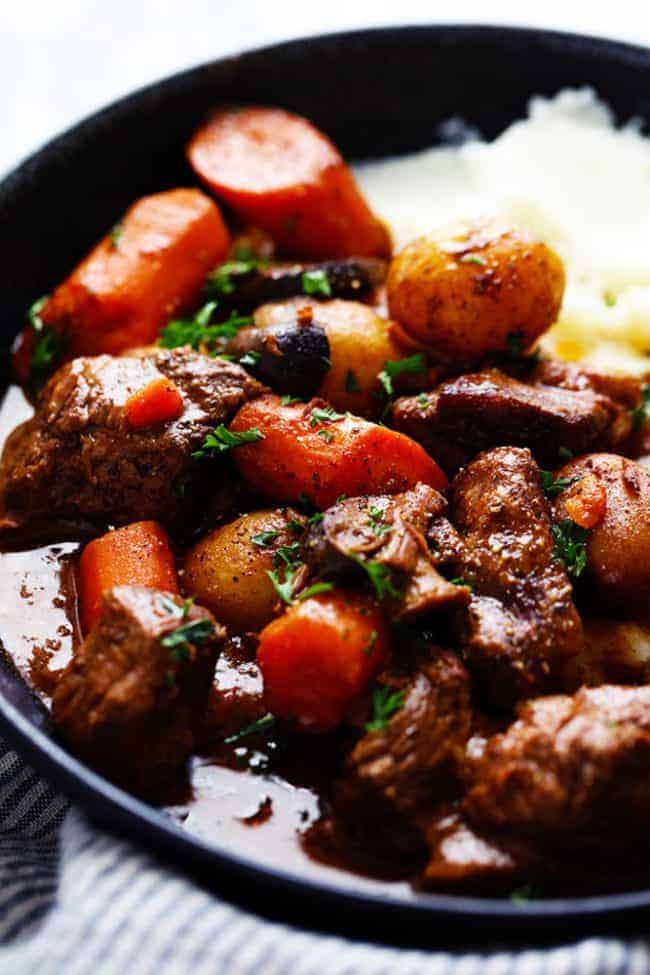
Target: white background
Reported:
[(61, 59)]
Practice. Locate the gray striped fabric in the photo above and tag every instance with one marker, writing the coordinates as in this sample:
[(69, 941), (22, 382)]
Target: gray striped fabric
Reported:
[(75, 901)]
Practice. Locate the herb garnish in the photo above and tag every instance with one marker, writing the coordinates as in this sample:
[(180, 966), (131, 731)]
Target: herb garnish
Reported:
[(385, 703), (34, 313), (325, 415), (472, 259), (222, 440), (115, 236), (553, 487), (326, 435), (376, 522), (423, 401), (316, 283), (219, 282), (290, 400), (316, 518), (370, 645), (459, 581), (380, 576), (48, 346), (256, 727), (640, 412), (284, 587), (285, 555), (351, 382), (251, 358), (314, 590), (264, 539), (395, 367), (198, 331), (571, 546)]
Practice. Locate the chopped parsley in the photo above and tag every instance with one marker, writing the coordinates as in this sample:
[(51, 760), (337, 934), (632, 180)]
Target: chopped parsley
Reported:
[(219, 283), (370, 645), (34, 313), (194, 632), (385, 703), (459, 581), (472, 259), (640, 413), (264, 539), (222, 439), (351, 382), (423, 401), (316, 283), (326, 435), (571, 546), (198, 331), (251, 358), (295, 526), (553, 487), (381, 578), (256, 727), (609, 299), (315, 590), (395, 367), (115, 236), (376, 522), (285, 555), (325, 415), (316, 518), (48, 346), (283, 587), (290, 400)]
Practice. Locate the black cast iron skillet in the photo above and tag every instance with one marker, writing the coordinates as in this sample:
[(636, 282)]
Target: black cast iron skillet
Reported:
[(374, 92)]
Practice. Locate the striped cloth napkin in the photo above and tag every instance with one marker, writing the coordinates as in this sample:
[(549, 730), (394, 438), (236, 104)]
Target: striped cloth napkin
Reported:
[(77, 901)]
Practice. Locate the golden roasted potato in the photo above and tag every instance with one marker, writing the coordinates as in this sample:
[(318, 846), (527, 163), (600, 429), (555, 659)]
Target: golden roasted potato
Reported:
[(618, 547), (474, 289), (360, 341), (227, 570)]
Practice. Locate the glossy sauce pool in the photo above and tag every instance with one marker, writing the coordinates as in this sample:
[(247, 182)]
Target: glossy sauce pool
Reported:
[(254, 811)]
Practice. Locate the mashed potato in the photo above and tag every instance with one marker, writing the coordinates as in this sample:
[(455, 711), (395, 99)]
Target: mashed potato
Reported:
[(572, 178)]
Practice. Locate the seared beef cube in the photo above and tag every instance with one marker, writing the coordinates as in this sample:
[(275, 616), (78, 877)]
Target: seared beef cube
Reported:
[(521, 626), (570, 771), (489, 409), (407, 764), (134, 696), (78, 460), (237, 693), (249, 285), (388, 531), (624, 390), (464, 859)]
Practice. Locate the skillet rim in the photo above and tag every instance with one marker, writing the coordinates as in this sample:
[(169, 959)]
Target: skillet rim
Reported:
[(123, 813)]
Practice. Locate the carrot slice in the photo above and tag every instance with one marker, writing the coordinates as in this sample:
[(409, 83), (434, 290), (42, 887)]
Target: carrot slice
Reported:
[(319, 656), (279, 173), (158, 401), (587, 503), (138, 554), (310, 450), (151, 265)]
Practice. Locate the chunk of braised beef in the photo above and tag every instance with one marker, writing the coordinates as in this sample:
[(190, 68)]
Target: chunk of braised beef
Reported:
[(521, 626), (236, 698), (488, 409), (390, 532), (252, 285), (410, 761), (571, 771), (463, 859), (79, 461), (132, 700)]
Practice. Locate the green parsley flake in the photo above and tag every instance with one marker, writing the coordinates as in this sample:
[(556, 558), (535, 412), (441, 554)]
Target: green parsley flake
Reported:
[(423, 401), (219, 282), (640, 412), (250, 359), (222, 439), (116, 235), (290, 400), (380, 576), (264, 539), (385, 703), (325, 415), (314, 590), (286, 555), (553, 487), (256, 727), (370, 645), (198, 331), (571, 546), (376, 521), (34, 313), (472, 259), (316, 283), (395, 367), (326, 435), (283, 587)]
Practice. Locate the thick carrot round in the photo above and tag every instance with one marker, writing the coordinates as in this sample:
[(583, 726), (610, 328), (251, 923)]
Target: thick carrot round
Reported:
[(150, 265), (158, 401), (279, 173), (138, 554), (586, 502), (319, 656), (308, 449)]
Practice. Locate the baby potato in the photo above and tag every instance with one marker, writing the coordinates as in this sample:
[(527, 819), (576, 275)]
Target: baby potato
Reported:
[(471, 289), (227, 570), (360, 343), (618, 546)]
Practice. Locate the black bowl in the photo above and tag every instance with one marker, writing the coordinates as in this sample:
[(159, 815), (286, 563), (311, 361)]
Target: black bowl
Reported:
[(374, 92)]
